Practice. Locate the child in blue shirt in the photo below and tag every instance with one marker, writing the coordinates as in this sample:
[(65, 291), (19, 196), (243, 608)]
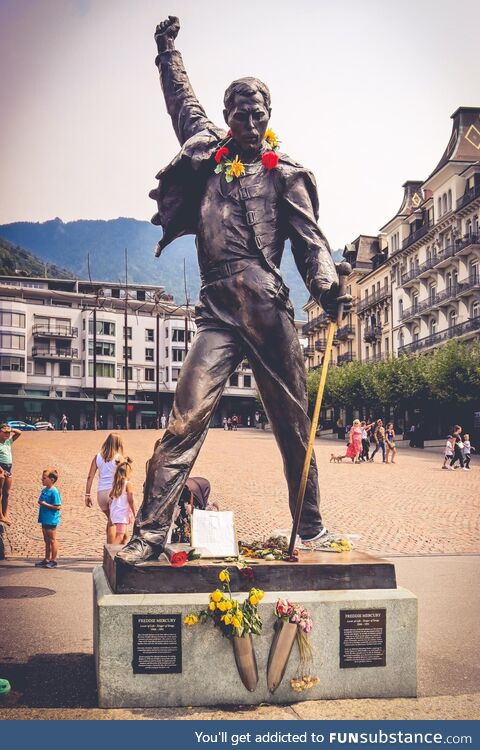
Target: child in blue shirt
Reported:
[(49, 516)]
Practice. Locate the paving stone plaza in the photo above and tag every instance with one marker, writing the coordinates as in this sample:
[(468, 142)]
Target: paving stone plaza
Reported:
[(410, 508)]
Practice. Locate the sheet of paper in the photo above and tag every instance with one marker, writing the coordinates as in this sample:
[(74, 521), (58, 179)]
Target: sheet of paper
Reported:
[(213, 533)]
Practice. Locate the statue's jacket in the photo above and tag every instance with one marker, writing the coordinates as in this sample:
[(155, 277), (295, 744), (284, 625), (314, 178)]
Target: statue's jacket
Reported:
[(267, 206)]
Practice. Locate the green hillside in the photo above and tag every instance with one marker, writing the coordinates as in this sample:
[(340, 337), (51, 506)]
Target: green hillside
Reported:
[(15, 260)]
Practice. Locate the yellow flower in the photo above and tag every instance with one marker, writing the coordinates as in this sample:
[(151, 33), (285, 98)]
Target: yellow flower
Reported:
[(224, 576), (222, 606), (239, 614), (216, 596), (191, 620), (229, 603), (236, 622), (271, 138), (254, 600), (212, 606), (260, 594), (227, 619), (235, 168)]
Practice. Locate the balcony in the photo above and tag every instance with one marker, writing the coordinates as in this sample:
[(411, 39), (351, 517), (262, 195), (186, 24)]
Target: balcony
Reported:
[(345, 332), (468, 285), (320, 345), (437, 299), (343, 359), (372, 299), (58, 331), (471, 325), (467, 241), (372, 333), (414, 236), (46, 353), (468, 196), (376, 358), (308, 351)]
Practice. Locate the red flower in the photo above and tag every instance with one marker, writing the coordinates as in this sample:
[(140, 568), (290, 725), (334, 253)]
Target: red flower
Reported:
[(247, 573), (270, 160), (221, 153), (178, 559)]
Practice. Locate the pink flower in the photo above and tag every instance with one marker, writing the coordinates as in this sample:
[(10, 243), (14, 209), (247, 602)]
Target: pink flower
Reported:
[(284, 608)]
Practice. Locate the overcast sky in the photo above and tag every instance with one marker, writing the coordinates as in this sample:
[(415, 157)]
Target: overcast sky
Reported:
[(362, 93)]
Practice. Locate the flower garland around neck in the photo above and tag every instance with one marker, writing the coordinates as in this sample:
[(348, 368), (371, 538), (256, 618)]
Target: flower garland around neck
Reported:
[(233, 168)]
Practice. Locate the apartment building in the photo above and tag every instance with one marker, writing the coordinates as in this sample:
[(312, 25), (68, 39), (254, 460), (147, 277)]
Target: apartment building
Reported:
[(47, 353), (434, 247)]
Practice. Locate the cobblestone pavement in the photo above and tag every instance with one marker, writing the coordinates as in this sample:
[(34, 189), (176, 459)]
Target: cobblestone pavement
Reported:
[(409, 508)]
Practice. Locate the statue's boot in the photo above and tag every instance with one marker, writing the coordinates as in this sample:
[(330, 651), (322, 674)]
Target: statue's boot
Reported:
[(138, 550)]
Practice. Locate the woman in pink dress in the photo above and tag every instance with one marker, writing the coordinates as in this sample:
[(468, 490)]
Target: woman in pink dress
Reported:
[(354, 448)]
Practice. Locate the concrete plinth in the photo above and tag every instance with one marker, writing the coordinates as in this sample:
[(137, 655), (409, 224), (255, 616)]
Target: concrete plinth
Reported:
[(209, 676)]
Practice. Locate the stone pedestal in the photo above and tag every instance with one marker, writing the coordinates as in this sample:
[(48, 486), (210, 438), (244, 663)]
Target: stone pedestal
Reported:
[(209, 676)]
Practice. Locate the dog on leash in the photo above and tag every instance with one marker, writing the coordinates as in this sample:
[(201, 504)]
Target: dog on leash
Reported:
[(336, 459)]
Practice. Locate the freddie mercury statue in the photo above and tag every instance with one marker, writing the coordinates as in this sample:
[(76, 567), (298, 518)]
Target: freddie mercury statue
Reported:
[(242, 200)]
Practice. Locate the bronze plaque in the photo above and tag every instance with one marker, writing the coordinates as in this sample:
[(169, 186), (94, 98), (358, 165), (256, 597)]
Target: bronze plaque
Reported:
[(363, 638), (157, 644)]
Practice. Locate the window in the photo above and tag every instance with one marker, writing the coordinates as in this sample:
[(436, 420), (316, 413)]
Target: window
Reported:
[(247, 381), (103, 369), (449, 200), (433, 327), (12, 341), (473, 271), (128, 352), (149, 356), (178, 334), (128, 331), (400, 308), (12, 364), (414, 302), (76, 371), (166, 332), (415, 334), (387, 346), (129, 373), (166, 352), (234, 380), (452, 319), (104, 328), (444, 203), (141, 295), (439, 207), (149, 334), (175, 373), (149, 374), (39, 368), (12, 319), (385, 315), (64, 369), (102, 348), (475, 309), (178, 355), (432, 292)]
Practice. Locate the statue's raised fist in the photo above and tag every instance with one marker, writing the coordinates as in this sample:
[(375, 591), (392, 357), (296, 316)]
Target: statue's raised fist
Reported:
[(166, 32)]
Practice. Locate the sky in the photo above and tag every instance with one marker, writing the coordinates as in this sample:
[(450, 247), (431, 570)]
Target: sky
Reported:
[(362, 93)]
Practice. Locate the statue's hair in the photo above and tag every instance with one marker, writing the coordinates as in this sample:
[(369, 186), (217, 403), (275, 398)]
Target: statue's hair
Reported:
[(246, 87)]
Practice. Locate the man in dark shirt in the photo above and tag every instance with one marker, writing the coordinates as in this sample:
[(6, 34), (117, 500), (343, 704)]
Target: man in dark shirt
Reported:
[(241, 225)]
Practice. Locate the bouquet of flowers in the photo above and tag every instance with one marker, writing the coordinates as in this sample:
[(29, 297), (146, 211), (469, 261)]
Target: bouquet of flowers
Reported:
[(295, 614)]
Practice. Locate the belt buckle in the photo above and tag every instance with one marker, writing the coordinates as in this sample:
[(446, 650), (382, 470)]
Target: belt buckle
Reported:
[(258, 242), (250, 218), (244, 193)]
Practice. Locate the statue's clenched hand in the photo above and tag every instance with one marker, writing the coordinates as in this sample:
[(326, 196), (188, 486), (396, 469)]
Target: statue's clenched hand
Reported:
[(166, 33)]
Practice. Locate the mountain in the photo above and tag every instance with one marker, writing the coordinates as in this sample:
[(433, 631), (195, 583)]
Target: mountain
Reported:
[(68, 244), (15, 260)]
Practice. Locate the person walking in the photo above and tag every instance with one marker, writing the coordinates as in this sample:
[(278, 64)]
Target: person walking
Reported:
[(449, 452), (458, 449), (105, 463), (467, 449), (64, 423), (7, 438), (364, 456), (390, 442), (234, 422), (163, 421), (379, 440), (354, 447)]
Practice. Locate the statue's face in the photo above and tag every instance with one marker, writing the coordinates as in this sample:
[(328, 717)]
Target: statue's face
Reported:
[(248, 121)]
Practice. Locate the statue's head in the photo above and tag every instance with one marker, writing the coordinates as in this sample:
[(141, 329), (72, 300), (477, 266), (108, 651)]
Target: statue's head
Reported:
[(247, 112)]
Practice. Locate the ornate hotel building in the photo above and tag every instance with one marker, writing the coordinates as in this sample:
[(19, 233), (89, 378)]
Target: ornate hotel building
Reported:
[(417, 284), (46, 353)]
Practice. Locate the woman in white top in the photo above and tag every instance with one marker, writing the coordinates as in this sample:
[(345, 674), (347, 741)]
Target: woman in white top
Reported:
[(104, 462)]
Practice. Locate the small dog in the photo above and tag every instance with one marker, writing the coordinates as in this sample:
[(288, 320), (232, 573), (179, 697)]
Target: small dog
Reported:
[(336, 459)]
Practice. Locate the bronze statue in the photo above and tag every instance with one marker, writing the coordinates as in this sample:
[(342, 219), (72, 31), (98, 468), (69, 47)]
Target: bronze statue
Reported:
[(242, 200)]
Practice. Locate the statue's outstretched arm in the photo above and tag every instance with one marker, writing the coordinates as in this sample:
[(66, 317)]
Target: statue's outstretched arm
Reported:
[(188, 116)]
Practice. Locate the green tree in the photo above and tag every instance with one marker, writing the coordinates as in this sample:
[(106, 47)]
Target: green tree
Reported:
[(454, 372)]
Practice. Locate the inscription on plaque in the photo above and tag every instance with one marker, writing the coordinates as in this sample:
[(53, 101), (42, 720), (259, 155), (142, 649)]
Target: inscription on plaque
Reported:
[(157, 644), (363, 637)]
